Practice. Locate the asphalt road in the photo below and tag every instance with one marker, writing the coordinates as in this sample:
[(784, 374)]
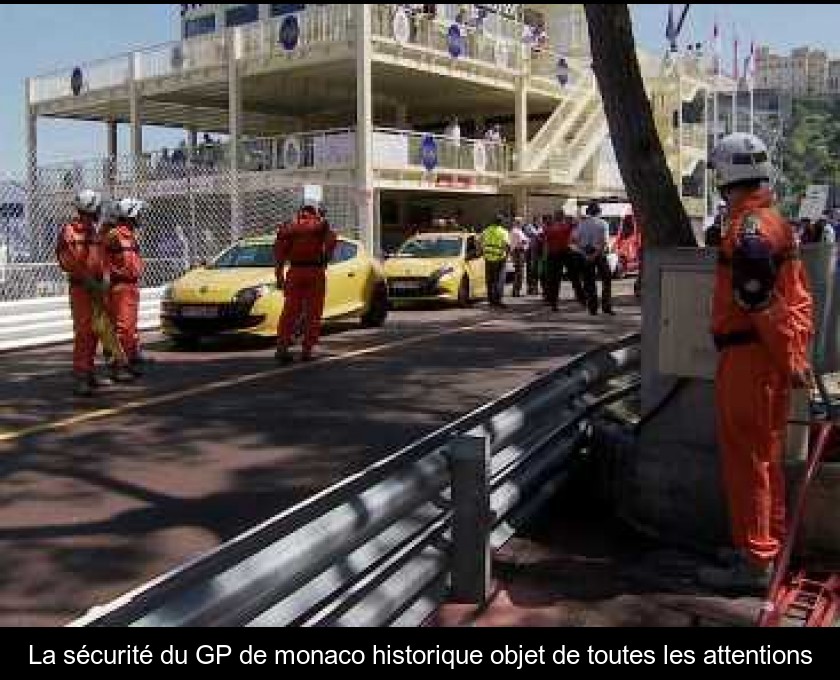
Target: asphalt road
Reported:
[(100, 495)]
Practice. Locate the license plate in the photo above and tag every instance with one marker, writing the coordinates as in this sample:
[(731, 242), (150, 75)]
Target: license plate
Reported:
[(199, 312), (404, 287)]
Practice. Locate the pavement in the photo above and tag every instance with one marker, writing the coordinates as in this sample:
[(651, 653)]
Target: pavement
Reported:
[(577, 566), (100, 495)]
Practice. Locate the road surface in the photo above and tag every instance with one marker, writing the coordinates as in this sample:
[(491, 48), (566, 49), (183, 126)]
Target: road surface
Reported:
[(97, 496)]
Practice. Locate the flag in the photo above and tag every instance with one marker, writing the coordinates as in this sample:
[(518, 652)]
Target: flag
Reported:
[(716, 49), (735, 59), (671, 29), (749, 66)]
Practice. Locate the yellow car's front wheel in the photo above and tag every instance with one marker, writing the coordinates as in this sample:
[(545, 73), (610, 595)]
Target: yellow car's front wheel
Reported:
[(464, 292), (377, 312)]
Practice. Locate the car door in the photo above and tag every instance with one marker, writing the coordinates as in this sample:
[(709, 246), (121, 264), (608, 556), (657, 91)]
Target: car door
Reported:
[(346, 275), (475, 267)]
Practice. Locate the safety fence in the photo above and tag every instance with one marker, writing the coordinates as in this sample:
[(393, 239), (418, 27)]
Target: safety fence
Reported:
[(194, 210), (44, 321), (387, 546)]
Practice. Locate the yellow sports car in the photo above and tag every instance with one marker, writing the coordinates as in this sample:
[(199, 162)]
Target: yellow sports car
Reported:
[(437, 266), (237, 293)]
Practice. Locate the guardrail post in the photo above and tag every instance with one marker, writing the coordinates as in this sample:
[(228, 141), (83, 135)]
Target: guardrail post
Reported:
[(469, 457)]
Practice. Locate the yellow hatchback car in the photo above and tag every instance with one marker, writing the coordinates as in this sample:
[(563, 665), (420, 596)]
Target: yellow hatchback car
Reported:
[(237, 293), (446, 266)]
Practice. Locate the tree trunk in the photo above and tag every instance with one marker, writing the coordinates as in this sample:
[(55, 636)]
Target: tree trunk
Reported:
[(641, 160)]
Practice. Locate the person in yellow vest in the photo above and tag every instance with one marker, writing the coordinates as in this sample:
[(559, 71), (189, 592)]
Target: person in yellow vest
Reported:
[(495, 240)]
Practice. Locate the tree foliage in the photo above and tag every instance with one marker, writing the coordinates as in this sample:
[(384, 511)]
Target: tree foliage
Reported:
[(811, 147)]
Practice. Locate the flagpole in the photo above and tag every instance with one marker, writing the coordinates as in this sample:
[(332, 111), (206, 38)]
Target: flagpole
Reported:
[(735, 90), (751, 81)]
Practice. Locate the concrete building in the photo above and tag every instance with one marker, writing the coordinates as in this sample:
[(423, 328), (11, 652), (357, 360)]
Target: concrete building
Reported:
[(805, 72), (361, 100)]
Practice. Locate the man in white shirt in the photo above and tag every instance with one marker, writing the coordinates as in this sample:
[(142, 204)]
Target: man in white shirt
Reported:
[(518, 248), (592, 238)]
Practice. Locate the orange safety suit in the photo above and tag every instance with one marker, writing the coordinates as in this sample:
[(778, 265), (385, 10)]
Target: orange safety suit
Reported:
[(124, 266), (754, 379), (307, 246), (78, 254)]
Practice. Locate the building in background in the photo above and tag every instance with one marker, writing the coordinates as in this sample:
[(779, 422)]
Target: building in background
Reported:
[(804, 73), (357, 99)]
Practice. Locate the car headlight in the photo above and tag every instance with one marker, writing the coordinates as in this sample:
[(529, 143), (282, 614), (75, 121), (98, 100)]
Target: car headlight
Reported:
[(248, 296), (443, 272)]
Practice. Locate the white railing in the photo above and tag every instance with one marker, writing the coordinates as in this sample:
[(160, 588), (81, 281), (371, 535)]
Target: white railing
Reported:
[(694, 136), (43, 321), (317, 25), (401, 150), (326, 24), (546, 65), (491, 44), (205, 51), (97, 75)]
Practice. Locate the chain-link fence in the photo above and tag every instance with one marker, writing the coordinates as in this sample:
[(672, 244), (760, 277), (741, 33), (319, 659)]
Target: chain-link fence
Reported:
[(196, 206)]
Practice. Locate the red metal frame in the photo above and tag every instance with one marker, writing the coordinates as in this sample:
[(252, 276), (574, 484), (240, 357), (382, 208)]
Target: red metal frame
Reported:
[(810, 598)]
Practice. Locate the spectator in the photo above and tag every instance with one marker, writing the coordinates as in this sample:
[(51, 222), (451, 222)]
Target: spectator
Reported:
[(518, 249), (592, 239)]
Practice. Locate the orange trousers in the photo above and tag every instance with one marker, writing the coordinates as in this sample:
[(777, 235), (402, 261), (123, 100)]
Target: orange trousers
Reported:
[(304, 303), (753, 402), (124, 302), (84, 338)]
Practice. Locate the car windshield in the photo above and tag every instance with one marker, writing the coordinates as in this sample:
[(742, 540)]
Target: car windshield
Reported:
[(431, 248), (246, 255)]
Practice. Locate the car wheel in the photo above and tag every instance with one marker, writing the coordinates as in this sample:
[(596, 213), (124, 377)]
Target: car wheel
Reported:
[(464, 293), (186, 342), (377, 313)]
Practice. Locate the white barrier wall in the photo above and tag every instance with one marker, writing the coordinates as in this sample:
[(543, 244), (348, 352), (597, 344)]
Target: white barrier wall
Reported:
[(45, 321)]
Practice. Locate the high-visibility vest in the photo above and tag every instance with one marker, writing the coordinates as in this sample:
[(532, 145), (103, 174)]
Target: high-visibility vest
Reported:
[(495, 242)]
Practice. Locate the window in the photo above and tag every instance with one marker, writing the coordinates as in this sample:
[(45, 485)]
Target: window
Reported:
[(344, 252), (280, 10), (256, 255), (244, 14), (200, 26)]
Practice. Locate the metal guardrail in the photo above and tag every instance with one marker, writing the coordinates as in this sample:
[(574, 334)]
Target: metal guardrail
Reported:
[(45, 321), (388, 545)]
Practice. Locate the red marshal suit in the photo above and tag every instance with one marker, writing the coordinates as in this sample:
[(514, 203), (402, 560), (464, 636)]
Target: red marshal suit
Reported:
[(307, 245), (754, 380), (124, 266), (78, 253)]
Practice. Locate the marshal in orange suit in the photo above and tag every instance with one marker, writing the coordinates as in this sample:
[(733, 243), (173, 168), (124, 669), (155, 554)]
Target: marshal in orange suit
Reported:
[(762, 322)]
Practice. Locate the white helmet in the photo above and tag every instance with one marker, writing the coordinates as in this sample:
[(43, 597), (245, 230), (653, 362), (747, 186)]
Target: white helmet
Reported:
[(740, 157), (88, 201), (129, 208)]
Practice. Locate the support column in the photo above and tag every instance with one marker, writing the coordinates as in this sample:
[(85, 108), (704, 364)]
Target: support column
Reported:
[(364, 132), (471, 558), (135, 113), (521, 116), (111, 161), (402, 117), (30, 205), (192, 139), (235, 132)]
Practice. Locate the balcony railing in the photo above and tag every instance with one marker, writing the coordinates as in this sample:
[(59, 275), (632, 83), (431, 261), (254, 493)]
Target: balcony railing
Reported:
[(325, 24), (496, 43), (405, 150), (93, 76), (317, 25)]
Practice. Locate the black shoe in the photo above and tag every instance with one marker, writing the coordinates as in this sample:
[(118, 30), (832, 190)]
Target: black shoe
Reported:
[(121, 374), (83, 386), (609, 311), (307, 357), (283, 357), (593, 312)]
